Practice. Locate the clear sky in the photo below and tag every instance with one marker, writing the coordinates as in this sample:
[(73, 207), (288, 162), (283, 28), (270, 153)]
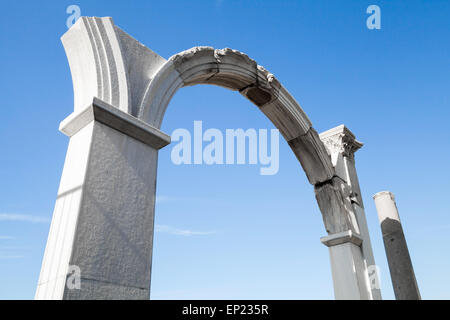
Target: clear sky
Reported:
[(226, 231)]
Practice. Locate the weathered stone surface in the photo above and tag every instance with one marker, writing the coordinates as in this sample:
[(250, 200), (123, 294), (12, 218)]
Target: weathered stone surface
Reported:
[(340, 140), (334, 202), (195, 65), (116, 119), (287, 115), (341, 145), (313, 157), (141, 65), (107, 63), (400, 266), (223, 67), (97, 290), (227, 68), (236, 70), (159, 93), (103, 220), (113, 239)]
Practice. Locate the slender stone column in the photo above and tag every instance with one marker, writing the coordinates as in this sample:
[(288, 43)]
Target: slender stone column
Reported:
[(102, 226), (352, 261), (400, 265)]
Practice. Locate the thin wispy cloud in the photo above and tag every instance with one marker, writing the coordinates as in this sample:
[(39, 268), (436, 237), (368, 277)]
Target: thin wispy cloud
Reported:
[(181, 232), (163, 199), (6, 238), (23, 218), (9, 257), (160, 199)]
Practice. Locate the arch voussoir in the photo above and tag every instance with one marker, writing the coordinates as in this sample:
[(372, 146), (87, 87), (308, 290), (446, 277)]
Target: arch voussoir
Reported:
[(312, 155), (195, 65)]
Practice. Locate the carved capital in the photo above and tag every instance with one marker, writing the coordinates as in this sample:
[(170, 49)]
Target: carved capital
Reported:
[(340, 140)]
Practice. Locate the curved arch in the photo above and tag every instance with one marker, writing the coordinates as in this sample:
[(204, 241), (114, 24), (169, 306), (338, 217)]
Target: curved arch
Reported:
[(234, 70), (108, 64), (119, 70), (121, 92)]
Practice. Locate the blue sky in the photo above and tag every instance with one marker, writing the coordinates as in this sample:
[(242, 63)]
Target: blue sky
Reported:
[(226, 231)]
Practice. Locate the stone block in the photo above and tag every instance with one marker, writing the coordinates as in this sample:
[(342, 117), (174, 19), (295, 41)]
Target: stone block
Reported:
[(336, 207), (287, 115), (313, 157), (195, 65)]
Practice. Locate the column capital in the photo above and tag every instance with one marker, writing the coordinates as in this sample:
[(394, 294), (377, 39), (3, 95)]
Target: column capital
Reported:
[(116, 119), (340, 140)]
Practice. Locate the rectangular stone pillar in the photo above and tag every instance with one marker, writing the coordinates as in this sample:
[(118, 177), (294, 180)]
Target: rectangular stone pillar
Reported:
[(347, 266), (342, 145), (101, 235)]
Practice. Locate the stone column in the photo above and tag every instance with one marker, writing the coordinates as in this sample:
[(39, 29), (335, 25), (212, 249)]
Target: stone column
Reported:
[(400, 265), (102, 226), (352, 261)]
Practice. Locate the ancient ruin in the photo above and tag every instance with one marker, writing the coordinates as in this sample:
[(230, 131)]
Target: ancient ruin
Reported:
[(104, 212)]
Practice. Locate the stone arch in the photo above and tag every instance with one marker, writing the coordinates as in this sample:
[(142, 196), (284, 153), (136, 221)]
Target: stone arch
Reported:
[(121, 92), (234, 70)]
